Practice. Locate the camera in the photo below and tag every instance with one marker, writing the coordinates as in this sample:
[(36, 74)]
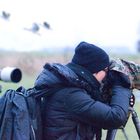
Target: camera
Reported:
[(10, 74), (128, 68), (127, 72)]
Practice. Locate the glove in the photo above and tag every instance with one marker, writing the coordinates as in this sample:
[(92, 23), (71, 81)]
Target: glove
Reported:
[(117, 78)]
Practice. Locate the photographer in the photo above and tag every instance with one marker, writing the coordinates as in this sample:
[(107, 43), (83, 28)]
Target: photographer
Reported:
[(75, 110)]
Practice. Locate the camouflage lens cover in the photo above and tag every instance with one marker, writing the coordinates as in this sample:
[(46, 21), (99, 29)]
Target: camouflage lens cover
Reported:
[(129, 68)]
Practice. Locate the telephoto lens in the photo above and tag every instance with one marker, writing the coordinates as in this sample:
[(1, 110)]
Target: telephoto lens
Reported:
[(10, 74)]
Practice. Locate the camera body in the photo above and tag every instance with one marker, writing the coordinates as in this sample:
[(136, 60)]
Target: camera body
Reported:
[(10, 74), (127, 73)]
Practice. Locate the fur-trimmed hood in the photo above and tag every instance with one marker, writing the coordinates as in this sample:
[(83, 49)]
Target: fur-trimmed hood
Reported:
[(58, 74)]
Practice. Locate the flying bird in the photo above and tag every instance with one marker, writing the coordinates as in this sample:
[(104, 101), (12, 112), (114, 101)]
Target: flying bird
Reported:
[(35, 28), (5, 15), (46, 25)]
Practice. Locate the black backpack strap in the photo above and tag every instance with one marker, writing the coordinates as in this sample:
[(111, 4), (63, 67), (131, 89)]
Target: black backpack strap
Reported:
[(98, 134)]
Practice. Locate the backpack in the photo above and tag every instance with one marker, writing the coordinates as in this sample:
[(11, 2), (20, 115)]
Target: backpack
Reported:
[(21, 114)]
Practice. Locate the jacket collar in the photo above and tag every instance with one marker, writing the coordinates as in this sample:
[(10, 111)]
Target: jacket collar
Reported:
[(84, 74)]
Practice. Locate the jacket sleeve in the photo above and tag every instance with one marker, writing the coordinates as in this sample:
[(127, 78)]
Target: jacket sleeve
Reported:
[(82, 107)]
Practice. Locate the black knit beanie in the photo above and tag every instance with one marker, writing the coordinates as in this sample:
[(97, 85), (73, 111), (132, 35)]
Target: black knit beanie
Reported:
[(91, 57)]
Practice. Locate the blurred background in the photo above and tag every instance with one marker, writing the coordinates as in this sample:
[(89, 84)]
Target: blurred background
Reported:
[(33, 32)]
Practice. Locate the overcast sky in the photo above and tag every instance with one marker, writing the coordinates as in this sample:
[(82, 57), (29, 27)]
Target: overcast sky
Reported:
[(102, 22)]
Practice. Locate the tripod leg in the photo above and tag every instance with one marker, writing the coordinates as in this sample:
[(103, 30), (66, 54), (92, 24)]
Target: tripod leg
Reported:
[(111, 134), (136, 121), (123, 130)]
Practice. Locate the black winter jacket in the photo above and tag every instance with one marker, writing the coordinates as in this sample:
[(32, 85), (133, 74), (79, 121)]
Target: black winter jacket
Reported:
[(76, 110)]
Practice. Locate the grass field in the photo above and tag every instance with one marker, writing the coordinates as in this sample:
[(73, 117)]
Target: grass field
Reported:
[(31, 64)]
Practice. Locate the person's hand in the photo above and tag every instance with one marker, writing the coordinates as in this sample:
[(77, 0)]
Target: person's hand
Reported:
[(117, 78)]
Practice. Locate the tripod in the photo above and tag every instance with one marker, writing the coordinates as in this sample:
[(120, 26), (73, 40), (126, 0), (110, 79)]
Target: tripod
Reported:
[(112, 133)]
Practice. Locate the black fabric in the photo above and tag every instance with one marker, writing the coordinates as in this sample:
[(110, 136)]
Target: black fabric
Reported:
[(91, 57), (93, 88), (84, 74)]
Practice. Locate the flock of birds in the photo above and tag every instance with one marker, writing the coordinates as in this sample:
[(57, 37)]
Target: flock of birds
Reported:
[(35, 27)]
